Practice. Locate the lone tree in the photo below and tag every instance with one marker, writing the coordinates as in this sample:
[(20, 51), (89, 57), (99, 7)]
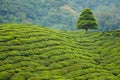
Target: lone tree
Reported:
[(86, 20)]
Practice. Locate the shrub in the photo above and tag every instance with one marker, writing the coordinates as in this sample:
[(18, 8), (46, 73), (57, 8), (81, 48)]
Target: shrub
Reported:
[(17, 77), (5, 75)]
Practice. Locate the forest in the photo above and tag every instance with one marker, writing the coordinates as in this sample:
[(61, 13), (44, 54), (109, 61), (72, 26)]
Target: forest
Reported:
[(61, 14)]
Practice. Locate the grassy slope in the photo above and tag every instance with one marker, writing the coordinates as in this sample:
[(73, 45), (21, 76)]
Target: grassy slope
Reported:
[(33, 53)]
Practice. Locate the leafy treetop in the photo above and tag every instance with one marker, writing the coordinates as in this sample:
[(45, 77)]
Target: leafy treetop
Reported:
[(86, 20)]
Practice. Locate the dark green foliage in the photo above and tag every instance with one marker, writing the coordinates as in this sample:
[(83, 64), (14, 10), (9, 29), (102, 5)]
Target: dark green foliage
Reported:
[(29, 52), (86, 20)]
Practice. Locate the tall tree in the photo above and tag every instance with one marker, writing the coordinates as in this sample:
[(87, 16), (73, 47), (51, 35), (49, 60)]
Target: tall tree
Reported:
[(86, 20)]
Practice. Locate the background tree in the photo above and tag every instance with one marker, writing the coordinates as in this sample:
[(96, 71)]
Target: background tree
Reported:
[(86, 20), (108, 17)]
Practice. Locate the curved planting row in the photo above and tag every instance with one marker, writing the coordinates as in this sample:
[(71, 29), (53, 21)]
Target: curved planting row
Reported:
[(30, 52)]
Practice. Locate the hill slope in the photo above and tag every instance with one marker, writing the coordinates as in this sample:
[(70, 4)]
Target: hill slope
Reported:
[(30, 52)]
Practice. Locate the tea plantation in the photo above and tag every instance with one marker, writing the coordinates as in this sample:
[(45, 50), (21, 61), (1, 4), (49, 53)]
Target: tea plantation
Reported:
[(29, 52)]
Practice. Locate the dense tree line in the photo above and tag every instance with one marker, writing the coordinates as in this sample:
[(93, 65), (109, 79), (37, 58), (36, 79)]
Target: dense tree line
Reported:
[(61, 14)]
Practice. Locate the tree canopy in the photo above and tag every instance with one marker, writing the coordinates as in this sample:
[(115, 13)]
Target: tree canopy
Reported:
[(86, 20)]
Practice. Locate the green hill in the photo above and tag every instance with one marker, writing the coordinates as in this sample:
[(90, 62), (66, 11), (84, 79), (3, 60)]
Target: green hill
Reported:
[(29, 52)]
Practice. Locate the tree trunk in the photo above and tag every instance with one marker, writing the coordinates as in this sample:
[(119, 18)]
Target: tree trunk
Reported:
[(86, 29)]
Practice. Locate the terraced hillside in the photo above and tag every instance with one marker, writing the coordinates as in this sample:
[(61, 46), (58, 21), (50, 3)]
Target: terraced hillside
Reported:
[(29, 52)]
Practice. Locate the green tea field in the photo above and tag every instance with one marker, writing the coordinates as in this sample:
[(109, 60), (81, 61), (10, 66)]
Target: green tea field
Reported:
[(29, 52)]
